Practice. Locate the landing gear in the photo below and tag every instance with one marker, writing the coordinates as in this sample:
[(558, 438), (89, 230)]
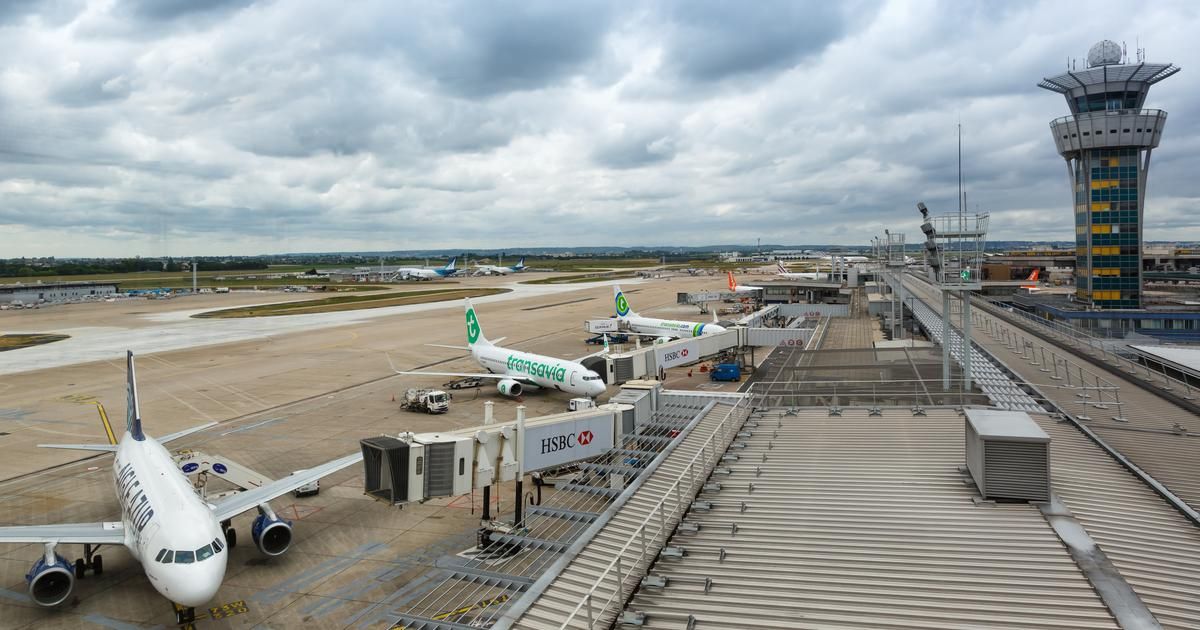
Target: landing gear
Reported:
[(90, 560), (230, 534), (185, 616)]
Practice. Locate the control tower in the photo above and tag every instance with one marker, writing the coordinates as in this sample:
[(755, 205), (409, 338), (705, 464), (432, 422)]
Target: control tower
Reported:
[(1107, 141)]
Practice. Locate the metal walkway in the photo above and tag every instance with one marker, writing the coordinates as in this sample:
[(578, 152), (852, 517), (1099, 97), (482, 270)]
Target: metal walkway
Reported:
[(588, 588), (1158, 436), (1000, 389)]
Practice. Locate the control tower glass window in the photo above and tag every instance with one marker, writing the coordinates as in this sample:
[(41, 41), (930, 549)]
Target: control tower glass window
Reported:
[(1106, 101)]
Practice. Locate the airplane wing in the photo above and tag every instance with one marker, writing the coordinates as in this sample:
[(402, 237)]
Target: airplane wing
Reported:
[(186, 432), (107, 533), (516, 377), (231, 506), (104, 448)]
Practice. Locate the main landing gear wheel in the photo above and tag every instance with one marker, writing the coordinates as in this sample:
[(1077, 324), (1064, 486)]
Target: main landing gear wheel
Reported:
[(230, 537), (90, 560)]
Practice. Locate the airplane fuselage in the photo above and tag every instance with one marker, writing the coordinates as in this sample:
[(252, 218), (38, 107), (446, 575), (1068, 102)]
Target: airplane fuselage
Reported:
[(161, 512), (669, 327), (543, 371)]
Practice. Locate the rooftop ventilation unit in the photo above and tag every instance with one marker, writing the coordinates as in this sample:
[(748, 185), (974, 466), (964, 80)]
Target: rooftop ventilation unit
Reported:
[(1008, 455)]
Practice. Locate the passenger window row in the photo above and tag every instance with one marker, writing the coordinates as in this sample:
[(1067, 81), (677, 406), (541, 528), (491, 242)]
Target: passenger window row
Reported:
[(170, 556)]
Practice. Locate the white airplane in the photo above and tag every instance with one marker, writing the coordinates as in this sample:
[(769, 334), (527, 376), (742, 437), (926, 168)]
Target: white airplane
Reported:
[(793, 275), (664, 329), (499, 270), (422, 273), (180, 539), (848, 259), (516, 371), (740, 288)]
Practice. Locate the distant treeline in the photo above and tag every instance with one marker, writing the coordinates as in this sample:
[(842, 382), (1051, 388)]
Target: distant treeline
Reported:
[(22, 268)]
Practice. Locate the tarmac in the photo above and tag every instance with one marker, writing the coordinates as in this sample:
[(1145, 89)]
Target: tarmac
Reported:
[(288, 392)]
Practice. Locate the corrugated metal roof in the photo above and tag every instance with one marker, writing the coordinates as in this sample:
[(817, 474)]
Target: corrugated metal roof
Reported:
[(562, 602), (1159, 436), (1154, 547), (865, 521)]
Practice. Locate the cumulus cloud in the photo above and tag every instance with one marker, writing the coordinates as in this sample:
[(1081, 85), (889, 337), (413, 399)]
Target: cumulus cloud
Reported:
[(245, 126)]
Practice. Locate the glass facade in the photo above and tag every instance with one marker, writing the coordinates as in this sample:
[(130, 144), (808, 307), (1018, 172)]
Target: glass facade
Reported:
[(1107, 101), (1107, 238)]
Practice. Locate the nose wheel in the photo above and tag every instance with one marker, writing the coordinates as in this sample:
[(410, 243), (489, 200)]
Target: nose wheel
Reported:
[(185, 616)]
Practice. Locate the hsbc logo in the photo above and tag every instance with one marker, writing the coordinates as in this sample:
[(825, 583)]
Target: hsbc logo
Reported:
[(683, 353), (570, 440)]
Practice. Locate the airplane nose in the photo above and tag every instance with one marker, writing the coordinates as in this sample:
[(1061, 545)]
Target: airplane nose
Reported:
[(195, 593), (714, 329), (597, 388)]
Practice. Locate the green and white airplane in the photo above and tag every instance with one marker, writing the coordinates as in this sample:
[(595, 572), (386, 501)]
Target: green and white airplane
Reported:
[(665, 329), (516, 371)]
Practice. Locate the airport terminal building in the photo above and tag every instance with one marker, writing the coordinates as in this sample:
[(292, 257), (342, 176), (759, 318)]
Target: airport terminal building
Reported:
[(55, 292)]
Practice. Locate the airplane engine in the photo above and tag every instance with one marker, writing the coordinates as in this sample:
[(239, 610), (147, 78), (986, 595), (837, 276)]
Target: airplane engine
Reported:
[(510, 388), (50, 584), (272, 535)]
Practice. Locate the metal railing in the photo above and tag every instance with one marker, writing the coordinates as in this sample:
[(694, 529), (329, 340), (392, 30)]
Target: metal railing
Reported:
[(1101, 348), (1102, 114), (1091, 389), (708, 454)]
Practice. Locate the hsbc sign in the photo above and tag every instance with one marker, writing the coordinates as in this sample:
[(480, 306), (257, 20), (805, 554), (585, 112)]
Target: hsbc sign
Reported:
[(677, 353), (551, 445)]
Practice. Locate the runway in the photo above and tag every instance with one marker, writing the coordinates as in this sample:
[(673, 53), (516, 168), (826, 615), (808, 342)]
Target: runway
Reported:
[(177, 329)]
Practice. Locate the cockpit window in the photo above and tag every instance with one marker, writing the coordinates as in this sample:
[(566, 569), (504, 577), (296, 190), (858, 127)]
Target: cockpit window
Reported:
[(169, 557), (204, 553), (161, 553), (217, 545), (185, 557)]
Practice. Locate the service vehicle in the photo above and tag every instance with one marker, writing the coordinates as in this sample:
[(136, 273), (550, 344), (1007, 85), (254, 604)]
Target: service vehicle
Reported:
[(427, 400), (726, 372)]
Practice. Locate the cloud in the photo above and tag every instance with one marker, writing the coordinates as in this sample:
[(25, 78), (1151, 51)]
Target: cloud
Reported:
[(176, 127)]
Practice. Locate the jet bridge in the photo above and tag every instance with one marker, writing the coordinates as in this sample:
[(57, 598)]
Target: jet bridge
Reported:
[(416, 467)]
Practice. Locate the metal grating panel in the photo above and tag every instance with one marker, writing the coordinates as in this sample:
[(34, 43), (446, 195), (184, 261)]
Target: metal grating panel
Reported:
[(1016, 470), (622, 369), (439, 469)]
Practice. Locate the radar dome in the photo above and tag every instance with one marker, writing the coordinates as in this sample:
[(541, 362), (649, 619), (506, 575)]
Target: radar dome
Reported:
[(1104, 53)]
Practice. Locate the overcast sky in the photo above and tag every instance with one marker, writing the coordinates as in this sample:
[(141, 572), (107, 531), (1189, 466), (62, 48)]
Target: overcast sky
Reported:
[(159, 127)]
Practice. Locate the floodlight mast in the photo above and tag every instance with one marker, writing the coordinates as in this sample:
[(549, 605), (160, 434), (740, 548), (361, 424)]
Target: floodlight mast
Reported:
[(954, 246)]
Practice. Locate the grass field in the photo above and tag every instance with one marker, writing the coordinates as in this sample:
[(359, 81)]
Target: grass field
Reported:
[(16, 342), (596, 277), (350, 303)]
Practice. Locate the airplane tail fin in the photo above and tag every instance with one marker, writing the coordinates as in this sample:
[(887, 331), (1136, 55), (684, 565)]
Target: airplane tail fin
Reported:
[(520, 263), (474, 331), (732, 282), (622, 303), (1033, 276), (780, 267), (450, 265), (133, 412)]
